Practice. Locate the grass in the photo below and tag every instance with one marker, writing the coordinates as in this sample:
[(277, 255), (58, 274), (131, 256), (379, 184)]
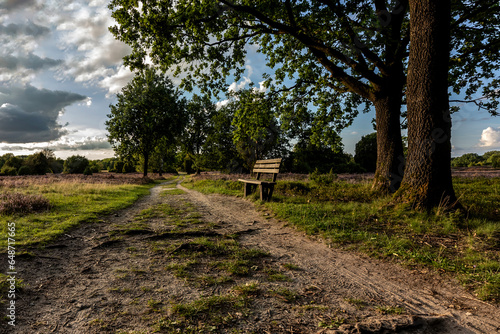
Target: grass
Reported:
[(72, 202), (349, 215)]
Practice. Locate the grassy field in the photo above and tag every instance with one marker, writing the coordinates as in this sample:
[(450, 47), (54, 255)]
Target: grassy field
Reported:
[(349, 215), (42, 208)]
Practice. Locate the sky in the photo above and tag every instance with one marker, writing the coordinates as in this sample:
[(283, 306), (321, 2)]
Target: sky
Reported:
[(60, 69)]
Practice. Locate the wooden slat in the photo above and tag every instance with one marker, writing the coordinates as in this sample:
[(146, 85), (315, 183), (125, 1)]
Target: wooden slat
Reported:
[(250, 181), (269, 161), (267, 171), (257, 181), (267, 166)]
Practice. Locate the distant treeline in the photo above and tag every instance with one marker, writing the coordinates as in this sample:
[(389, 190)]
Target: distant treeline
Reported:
[(302, 159)]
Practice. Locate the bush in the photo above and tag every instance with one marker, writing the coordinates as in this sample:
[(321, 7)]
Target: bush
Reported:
[(322, 179), (75, 164), (87, 171), (128, 167), (494, 160), (366, 152), (467, 160), (25, 170), (8, 170), (13, 203)]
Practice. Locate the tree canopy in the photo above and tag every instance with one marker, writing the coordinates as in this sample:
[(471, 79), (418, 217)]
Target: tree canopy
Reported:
[(149, 109)]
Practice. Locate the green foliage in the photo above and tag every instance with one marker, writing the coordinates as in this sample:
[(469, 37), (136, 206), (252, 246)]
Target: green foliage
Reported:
[(492, 158), (322, 179), (25, 170), (149, 110), (13, 162), (219, 150), (8, 170), (75, 164), (256, 133), (366, 152), (128, 167), (317, 56), (467, 160), (308, 157), (37, 163)]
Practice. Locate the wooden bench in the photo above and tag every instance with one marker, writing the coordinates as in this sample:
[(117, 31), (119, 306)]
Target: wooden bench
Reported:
[(271, 166)]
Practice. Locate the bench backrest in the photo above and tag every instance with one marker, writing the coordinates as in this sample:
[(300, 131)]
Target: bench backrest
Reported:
[(271, 166)]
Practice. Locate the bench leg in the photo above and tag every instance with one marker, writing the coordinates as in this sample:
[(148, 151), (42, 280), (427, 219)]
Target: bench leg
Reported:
[(270, 193), (249, 188), (266, 192)]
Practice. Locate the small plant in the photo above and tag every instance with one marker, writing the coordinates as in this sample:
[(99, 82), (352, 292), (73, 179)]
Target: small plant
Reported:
[(390, 310), (359, 303), (332, 323), (247, 289), (290, 266), (154, 305), (276, 276), (287, 295)]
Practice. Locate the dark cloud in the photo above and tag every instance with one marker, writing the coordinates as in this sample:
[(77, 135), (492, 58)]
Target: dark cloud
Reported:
[(86, 144), (29, 29), (11, 5), (31, 62), (29, 114), (19, 126)]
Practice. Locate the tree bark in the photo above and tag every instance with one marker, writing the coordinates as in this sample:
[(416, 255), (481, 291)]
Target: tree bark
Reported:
[(390, 155), (427, 182)]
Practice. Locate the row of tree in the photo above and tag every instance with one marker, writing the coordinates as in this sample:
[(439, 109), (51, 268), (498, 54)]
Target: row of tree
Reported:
[(338, 55), (45, 162)]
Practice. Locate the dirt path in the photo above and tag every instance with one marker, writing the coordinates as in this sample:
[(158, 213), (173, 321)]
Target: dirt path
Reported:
[(110, 277)]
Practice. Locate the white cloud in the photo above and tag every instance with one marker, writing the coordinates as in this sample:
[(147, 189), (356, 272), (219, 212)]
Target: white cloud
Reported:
[(93, 55), (490, 137), (221, 104), (114, 83)]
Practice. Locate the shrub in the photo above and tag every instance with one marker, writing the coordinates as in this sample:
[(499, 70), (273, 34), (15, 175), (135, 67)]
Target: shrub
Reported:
[(128, 167), (25, 170), (8, 170), (495, 160), (366, 152), (467, 160), (12, 203), (87, 171), (322, 179)]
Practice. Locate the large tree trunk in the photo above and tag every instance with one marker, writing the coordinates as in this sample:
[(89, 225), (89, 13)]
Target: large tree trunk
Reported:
[(427, 182), (390, 156)]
